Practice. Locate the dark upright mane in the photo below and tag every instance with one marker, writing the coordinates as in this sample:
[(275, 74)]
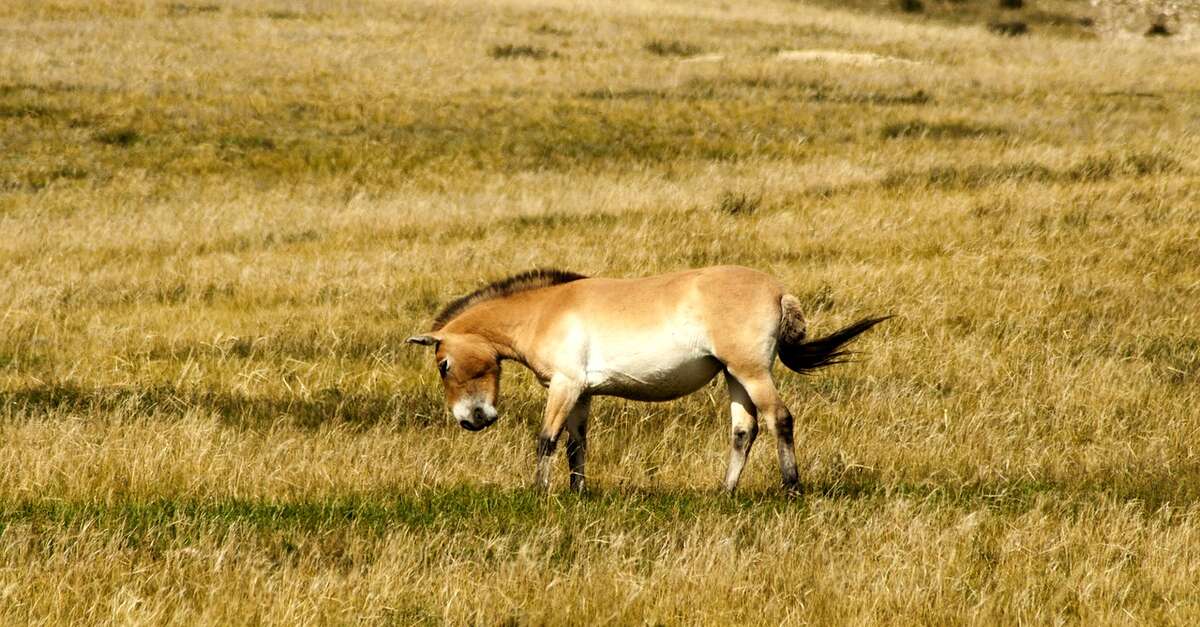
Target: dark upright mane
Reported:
[(528, 280)]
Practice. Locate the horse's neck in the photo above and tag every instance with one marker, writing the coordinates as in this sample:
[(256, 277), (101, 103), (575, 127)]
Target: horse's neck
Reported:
[(505, 324)]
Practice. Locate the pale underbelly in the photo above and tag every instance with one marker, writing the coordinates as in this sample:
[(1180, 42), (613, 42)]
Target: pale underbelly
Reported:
[(665, 384)]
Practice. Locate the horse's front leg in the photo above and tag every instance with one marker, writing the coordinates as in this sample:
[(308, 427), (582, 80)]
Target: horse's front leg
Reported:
[(577, 441), (560, 402)]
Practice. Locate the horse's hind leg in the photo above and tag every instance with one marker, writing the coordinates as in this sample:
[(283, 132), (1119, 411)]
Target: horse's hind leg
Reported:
[(761, 390), (743, 430), (577, 441)]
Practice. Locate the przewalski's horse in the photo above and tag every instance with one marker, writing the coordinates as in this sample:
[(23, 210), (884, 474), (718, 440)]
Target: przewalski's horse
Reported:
[(652, 339)]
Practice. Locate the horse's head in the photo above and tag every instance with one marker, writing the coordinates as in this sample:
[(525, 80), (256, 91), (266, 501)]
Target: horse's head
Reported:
[(470, 371)]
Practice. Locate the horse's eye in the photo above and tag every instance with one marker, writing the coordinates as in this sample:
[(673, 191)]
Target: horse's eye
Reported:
[(443, 367)]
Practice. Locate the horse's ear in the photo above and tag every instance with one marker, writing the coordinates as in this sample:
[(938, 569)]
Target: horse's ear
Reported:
[(423, 340)]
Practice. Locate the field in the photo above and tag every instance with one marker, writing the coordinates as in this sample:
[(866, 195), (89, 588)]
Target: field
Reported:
[(220, 219)]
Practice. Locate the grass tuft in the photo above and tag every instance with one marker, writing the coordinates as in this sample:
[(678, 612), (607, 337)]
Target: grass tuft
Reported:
[(180, 8), (1138, 164), (25, 110), (545, 28), (738, 203), (969, 177), (247, 142), (921, 129), (512, 51), (285, 14), (39, 180), (1158, 29), (1011, 28), (1091, 169), (123, 137), (671, 48), (625, 94)]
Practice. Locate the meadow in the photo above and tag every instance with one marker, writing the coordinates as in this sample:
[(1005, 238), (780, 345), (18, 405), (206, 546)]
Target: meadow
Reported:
[(220, 219)]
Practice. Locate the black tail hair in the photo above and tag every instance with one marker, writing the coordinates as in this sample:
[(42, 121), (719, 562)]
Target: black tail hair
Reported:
[(809, 355)]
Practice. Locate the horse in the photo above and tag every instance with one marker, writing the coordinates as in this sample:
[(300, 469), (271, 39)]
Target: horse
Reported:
[(654, 338)]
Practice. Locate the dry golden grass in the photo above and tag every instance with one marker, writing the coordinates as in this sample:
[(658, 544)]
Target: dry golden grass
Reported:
[(220, 220)]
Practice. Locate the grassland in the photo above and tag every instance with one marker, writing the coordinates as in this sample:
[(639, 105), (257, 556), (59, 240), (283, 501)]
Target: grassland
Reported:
[(220, 220)]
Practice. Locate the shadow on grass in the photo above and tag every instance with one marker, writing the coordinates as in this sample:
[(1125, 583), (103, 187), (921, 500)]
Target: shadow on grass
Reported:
[(322, 407), (752, 88), (492, 509), (1092, 169)]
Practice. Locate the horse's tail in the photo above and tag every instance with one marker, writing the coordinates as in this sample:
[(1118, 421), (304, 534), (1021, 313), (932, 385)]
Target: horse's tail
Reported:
[(804, 355)]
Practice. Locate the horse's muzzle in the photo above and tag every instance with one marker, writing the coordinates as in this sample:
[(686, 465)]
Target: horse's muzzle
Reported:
[(479, 420)]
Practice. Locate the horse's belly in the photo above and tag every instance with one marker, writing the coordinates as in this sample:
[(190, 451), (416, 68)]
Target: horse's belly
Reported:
[(650, 379)]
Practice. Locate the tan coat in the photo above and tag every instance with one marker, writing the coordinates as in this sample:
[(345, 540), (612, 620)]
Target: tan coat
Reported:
[(655, 339)]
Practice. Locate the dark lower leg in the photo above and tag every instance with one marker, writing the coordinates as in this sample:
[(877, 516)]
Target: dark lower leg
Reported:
[(787, 451), (545, 452), (577, 456), (740, 442)]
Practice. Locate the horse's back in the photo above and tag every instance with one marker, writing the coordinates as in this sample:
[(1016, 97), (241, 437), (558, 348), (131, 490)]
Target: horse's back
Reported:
[(717, 288)]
